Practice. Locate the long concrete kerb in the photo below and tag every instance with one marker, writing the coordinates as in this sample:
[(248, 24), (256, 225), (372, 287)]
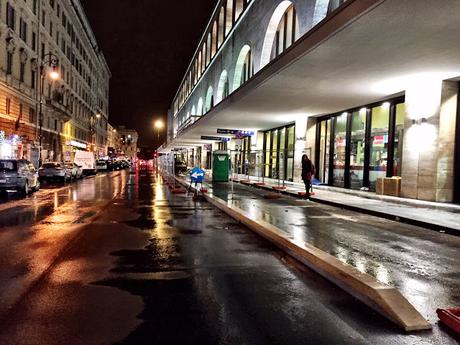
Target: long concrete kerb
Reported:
[(385, 299)]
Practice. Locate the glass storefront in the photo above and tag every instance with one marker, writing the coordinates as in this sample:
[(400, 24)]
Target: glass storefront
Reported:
[(279, 149), (379, 143), (340, 146), (243, 156), (399, 138), (357, 147), (324, 150)]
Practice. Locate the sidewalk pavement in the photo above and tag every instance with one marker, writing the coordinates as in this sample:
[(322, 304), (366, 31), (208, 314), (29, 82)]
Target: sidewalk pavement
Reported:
[(421, 264), (431, 215)]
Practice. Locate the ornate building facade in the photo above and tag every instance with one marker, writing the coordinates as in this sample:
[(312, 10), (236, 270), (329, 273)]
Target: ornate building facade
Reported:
[(54, 81)]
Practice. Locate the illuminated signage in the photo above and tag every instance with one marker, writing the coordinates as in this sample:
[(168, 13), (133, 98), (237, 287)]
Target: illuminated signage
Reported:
[(78, 144), (236, 132), (205, 137)]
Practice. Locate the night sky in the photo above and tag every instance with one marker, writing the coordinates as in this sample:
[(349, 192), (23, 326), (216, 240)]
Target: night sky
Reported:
[(148, 45)]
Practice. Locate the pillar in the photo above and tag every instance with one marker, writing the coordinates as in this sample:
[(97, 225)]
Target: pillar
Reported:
[(429, 141)]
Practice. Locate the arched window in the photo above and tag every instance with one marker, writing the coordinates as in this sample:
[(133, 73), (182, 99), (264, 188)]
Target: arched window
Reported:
[(229, 15), (221, 32), (244, 68), (200, 66), (239, 7), (282, 31), (193, 112), (320, 13), (214, 40), (209, 104), (195, 72), (208, 47), (199, 111), (334, 4), (223, 89), (205, 57)]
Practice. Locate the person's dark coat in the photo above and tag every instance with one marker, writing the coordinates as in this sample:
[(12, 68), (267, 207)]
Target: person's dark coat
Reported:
[(307, 169)]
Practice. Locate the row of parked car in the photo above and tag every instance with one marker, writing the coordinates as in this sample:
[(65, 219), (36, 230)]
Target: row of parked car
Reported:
[(21, 175)]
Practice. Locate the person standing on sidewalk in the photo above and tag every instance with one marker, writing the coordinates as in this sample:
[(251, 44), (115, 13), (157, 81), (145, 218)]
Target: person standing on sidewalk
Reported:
[(307, 174)]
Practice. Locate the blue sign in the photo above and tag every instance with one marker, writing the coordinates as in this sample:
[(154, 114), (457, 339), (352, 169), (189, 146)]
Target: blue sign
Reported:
[(206, 137), (237, 132), (197, 175)]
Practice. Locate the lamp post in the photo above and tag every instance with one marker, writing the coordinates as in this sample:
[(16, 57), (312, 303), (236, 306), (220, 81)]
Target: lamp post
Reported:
[(93, 125), (51, 62), (159, 125)]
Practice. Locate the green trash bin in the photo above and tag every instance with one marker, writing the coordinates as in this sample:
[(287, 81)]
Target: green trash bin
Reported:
[(220, 166)]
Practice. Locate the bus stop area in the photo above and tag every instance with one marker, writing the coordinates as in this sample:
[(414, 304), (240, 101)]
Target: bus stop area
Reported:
[(421, 264)]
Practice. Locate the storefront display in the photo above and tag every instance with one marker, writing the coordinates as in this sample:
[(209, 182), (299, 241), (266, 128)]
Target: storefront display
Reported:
[(357, 147), (279, 150)]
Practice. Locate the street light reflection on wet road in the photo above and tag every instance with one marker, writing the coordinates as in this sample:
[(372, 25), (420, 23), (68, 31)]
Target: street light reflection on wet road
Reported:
[(122, 260)]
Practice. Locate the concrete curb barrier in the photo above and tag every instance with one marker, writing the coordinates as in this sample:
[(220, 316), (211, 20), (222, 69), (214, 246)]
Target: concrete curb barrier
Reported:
[(384, 299)]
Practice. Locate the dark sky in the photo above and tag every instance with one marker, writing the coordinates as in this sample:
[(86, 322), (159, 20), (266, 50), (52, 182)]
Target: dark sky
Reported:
[(148, 45)]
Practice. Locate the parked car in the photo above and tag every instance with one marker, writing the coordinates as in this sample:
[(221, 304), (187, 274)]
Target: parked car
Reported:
[(121, 164), (18, 175), (101, 166), (113, 165), (55, 171), (77, 171)]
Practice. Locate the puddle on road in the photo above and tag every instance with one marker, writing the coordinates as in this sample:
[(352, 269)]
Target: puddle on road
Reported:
[(142, 223), (191, 232), (21, 216), (85, 216)]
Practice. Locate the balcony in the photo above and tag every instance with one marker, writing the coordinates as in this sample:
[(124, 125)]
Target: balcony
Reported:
[(58, 108)]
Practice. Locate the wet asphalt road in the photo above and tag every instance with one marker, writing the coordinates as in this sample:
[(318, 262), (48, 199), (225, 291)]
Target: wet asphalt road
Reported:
[(117, 259), (423, 265)]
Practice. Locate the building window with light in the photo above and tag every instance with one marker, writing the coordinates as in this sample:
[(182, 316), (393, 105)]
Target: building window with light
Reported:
[(8, 106)]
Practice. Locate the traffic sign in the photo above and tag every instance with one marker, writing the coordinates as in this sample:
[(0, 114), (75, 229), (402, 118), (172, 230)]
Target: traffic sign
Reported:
[(197, 175)]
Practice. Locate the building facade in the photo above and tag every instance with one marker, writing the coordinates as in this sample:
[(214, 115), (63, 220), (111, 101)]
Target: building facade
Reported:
[(364, 87), (113, 141), (37, 38), (128, 142)]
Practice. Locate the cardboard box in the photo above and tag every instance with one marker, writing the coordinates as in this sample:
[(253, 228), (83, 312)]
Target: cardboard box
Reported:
[(379, 185), (392, 186)]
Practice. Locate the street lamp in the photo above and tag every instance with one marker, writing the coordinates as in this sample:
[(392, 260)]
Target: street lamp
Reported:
[(92, 127), (50, 62), (159, 125)]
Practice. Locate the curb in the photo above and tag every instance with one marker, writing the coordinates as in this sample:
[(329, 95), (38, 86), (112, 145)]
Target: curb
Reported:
[(384, 299), (379, 214)]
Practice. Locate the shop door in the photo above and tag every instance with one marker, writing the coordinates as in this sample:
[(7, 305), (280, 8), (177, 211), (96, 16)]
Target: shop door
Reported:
[(323, 151), (274, 155), (290, 152), (340, 151)]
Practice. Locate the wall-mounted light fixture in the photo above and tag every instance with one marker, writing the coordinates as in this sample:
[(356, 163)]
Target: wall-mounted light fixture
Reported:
[(419, 121)]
